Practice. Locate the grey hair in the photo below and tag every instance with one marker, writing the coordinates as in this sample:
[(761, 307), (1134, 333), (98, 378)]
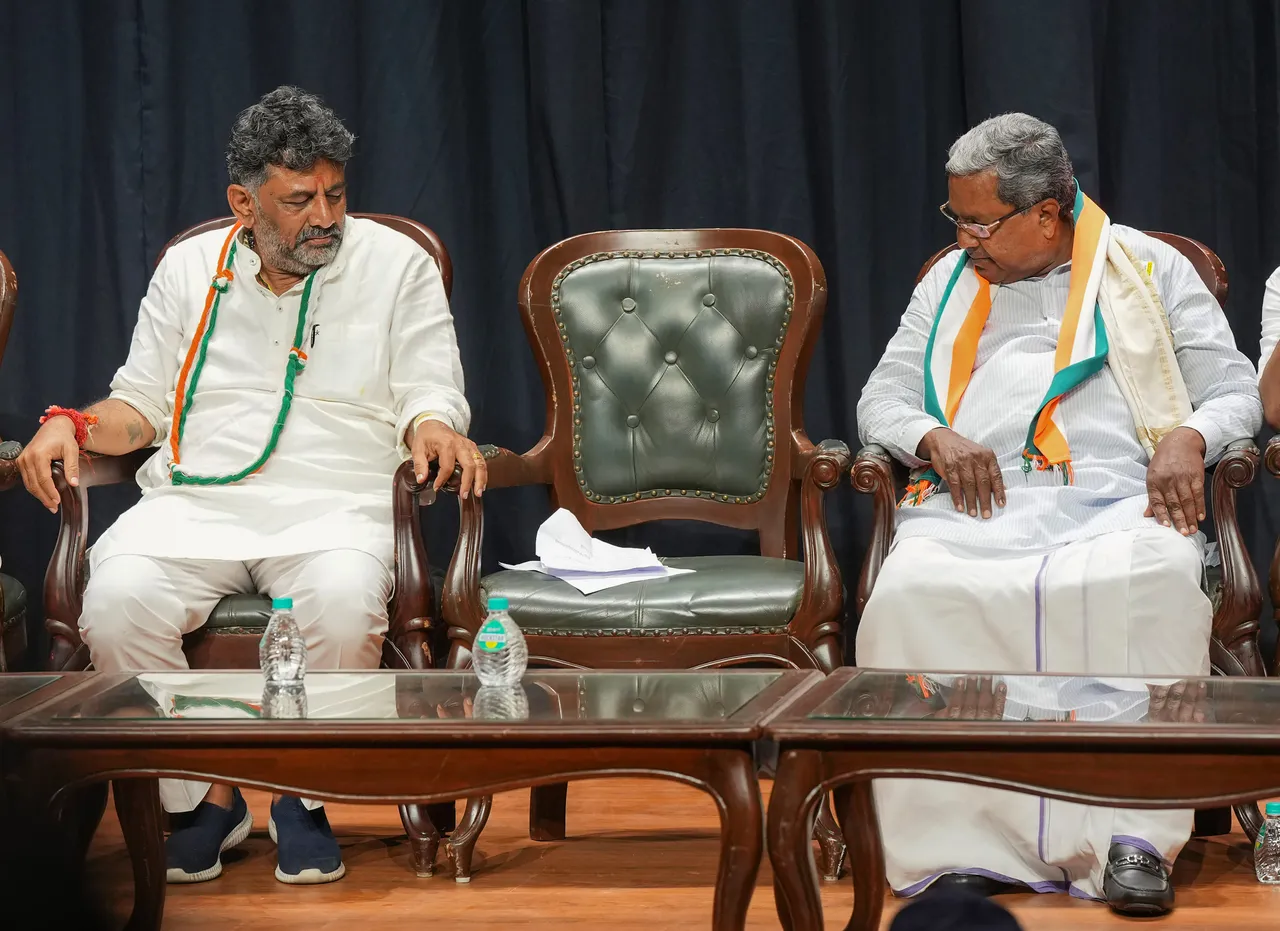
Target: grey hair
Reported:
[(288, 127), (1027, 155)]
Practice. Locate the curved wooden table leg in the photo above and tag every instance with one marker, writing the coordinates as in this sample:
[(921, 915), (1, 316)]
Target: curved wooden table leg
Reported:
[(780, 903), (462, 842), (424, 838), (862, 834), (138, 807), (791, 816), (732, 781)]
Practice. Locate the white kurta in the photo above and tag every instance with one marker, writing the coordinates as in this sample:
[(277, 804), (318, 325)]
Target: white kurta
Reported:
[(381, 352), (1013, 369), (1270, 320), (1064, 578)]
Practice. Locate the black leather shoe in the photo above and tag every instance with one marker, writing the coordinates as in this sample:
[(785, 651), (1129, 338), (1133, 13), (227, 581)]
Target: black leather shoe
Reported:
[(974, 884), (1135, 882)]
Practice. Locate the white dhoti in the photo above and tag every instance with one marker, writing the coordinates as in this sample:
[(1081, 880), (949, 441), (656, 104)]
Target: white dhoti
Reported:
[(1125, 603), (137, 609)]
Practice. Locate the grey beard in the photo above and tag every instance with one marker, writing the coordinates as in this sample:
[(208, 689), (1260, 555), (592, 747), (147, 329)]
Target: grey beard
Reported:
[(296, 259)]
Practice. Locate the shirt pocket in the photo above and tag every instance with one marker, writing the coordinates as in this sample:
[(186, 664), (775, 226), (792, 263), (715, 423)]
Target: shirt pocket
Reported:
[(347, 362)]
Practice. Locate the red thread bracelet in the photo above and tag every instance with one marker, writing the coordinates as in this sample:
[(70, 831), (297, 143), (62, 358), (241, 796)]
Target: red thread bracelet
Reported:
[(82, 421)]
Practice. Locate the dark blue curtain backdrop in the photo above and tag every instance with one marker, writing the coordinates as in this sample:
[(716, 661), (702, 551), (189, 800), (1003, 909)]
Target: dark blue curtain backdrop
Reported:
[(507, 125)]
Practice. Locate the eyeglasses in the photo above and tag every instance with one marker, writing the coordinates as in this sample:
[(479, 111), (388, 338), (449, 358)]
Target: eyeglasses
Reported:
[(982, 230)]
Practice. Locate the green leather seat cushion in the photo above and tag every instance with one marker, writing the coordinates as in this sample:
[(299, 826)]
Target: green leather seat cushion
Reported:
[(251, 611), (15, 597), (724, 595)]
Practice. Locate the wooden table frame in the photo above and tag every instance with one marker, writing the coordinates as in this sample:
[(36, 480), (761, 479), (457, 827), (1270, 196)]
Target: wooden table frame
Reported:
[(1126, 766), (399, 761)]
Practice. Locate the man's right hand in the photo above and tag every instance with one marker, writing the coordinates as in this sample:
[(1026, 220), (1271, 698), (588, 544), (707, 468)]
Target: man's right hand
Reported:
[(970, 470), (56, 439)]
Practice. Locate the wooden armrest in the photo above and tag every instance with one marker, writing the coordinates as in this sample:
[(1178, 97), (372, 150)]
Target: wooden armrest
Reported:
[(818, 620), (64, 580), (506, 470), (823, 464), (10, 450), (1238, 465), (410, 621), (1272, 456), (461, 597), (877, 473), (1234, 646)]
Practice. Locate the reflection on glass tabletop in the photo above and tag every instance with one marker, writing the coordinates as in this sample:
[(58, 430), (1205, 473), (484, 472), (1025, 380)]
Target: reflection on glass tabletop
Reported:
[(871, 695), (542, 697), (18, 685)]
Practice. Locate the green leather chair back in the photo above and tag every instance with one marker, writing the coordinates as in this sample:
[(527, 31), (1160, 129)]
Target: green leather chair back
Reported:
[(674, 363)]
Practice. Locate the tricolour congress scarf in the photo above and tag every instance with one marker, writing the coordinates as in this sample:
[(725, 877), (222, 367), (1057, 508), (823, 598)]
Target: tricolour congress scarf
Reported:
[(1145, 364)]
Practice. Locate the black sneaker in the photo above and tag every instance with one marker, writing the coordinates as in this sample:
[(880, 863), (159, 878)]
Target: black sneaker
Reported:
[(193, 853), (306, 850)]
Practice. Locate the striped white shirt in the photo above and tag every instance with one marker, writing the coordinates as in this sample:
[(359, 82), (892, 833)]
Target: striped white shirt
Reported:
[(1012, 372)]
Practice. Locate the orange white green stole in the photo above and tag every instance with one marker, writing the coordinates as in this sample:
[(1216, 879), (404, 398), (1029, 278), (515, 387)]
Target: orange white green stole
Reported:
[(1081, 354)]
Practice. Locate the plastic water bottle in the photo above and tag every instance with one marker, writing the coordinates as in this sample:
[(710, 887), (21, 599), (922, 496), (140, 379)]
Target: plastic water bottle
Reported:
[(498, 703), (282, 652), (284, 702), (499, 654), (1266, 849)]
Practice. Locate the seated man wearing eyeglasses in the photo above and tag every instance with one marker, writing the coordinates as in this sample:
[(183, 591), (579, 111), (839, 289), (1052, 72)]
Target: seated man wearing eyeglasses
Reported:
[(285, 366), (1057, 385)]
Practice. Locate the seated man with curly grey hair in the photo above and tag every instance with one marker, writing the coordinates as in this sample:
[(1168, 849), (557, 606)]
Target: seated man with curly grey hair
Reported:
[(285, 368), (1062, 381)]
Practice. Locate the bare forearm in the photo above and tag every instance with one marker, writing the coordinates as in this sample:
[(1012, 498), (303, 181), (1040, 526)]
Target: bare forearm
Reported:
[(1269, 387), (120, 429)]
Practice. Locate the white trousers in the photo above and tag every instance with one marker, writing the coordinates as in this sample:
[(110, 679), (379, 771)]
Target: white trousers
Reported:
[(137, 609), (1126, 603)]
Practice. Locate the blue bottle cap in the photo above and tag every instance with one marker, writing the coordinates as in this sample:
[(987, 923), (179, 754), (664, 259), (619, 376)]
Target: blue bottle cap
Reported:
[(498, 604), (281, 604), (1273, 809)]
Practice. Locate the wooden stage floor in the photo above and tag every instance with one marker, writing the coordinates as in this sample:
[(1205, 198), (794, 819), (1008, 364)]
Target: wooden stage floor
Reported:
[(641, 855)]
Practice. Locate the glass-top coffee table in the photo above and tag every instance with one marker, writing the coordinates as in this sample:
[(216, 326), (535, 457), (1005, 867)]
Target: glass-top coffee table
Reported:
[(407, 737), (14, 686), (1124, 742)]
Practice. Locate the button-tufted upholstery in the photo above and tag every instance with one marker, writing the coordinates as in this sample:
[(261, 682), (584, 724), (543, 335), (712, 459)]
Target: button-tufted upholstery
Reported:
[(672, 362)]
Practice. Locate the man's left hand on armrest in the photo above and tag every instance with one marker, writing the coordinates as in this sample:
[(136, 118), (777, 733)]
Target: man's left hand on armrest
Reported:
[(436, 440), (1175, 481)]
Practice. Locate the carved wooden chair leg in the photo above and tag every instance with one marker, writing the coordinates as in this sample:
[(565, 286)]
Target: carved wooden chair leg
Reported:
[(830, 842), (546, 811), (1250, 818), (424, 838), (462, 843)]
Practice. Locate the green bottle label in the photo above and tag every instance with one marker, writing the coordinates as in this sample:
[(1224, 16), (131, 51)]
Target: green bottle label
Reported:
[(1262, 834), (492, 637)]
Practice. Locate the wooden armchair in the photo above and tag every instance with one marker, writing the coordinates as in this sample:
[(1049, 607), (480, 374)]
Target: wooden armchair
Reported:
[(1234, 590), (673, 364), (229, 639), (13, 597)]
